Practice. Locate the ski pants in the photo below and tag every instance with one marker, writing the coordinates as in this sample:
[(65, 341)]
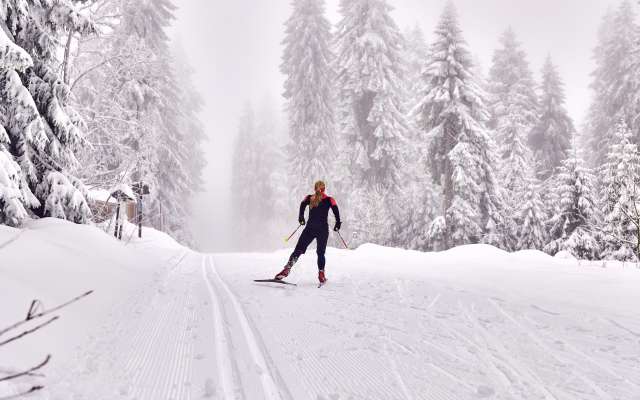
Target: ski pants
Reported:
[(321, 235)]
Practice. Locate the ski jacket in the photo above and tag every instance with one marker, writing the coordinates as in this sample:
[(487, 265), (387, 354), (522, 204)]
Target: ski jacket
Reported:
[(318, 215)]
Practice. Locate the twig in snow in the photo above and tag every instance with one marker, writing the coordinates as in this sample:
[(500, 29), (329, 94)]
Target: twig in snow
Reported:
[(29, 331), (17, 396), (27, 372), (31, 316)]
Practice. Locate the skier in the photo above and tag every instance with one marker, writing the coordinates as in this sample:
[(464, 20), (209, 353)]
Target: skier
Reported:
[(316, 228)]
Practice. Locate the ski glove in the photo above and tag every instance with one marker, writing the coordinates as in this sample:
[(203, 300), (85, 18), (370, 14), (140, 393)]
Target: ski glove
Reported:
[(301, 221), (337, 227)]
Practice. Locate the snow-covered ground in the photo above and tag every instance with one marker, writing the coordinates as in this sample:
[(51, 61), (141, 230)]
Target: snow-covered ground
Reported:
[(169, 323)]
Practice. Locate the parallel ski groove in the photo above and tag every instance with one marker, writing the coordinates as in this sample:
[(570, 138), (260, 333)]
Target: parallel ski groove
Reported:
[(225, 378), (267, 382)]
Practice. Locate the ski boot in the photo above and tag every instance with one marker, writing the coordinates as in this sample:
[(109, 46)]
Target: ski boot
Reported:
[(321, 277), (285, 272)]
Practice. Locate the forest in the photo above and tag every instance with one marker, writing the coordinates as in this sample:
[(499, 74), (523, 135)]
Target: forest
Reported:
[(423, 148), (93, 94), (427, 151)]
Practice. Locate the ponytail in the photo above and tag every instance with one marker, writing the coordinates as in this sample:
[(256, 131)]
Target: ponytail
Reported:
[(317, 197)]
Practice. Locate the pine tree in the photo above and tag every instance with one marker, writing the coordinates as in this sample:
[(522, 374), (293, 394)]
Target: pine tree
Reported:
[(257, 176), (513, 114), (416, 51), (614, 81), (570, 227), (415, 199), (142, 111), (372, 122), (620, 196), (40, 134), (306, 62), (369, 81), (452, 115), (551, 137), (531, 218), (243, 189)]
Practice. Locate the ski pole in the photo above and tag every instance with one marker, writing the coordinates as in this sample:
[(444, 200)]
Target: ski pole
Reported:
[(294, 232), (343, 242)]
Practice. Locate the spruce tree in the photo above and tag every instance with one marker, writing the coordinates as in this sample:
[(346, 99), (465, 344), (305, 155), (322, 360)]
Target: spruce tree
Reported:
[(372, 123), (550, 139), (369, 81), (513, 105), (416, 51), (306, 63), (142, 111), (571, 226), (620, 197), (243, 188), (258, 195), (614, 81), (40, 134), (452, 116), (531, 218)]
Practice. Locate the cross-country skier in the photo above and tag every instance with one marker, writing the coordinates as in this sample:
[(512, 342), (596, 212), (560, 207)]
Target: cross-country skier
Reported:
[(316, 228)]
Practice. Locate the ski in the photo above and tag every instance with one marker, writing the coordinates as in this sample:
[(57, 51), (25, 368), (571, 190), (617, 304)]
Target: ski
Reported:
[(274, 281), (321, 284)]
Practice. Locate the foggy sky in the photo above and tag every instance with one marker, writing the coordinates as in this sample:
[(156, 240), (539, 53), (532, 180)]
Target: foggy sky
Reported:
[(235, 48)]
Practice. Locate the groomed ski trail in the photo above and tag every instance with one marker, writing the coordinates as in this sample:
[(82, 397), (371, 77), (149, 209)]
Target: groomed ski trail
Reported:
[(260, 372), (204, 329)]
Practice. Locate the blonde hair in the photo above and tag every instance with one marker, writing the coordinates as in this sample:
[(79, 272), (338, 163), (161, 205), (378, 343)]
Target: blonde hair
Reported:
[(319, 187)]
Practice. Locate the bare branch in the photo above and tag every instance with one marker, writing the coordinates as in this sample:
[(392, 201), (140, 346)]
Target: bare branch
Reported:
[(28, 372), (29, 331), (20, 395), (43, 313)]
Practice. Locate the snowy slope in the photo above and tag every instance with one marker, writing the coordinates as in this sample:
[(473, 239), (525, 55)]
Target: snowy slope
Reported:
[(53, 261), (167, 323)]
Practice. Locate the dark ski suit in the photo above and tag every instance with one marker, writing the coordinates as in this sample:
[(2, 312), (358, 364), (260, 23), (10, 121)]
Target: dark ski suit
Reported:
[(316, 228)]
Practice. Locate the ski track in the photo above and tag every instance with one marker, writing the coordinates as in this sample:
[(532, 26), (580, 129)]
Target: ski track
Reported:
[(262, 370), (401, 339), (223, 358), (204, 330), (162, 354)]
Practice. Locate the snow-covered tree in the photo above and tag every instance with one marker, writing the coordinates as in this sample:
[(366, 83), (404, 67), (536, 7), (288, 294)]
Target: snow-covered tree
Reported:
[(369, 81), (306, 63), (615, 80), (513, 106), (452, 116), (621, 197), (141, 107), (550, 139), (371, 221), (259, 195), (372, 123), (244, 163), (570, 228), (415, 198), (416, 51), (39, 133), (531, 218)]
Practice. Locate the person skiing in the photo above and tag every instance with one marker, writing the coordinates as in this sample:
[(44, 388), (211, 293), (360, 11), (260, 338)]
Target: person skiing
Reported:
[(316, 228)]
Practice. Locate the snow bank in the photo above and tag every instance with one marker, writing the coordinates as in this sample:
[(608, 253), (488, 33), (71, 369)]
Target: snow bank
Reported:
[(525, 274), (53, 260)]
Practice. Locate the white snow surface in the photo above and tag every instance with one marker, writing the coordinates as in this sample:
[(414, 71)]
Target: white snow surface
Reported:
[(169, 323)]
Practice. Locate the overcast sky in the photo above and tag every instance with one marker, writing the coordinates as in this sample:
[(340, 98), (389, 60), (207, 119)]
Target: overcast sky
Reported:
[(235, 48)]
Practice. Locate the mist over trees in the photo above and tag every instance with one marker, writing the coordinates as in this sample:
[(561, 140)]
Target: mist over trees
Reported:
[(428, 153), (93, 94)]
